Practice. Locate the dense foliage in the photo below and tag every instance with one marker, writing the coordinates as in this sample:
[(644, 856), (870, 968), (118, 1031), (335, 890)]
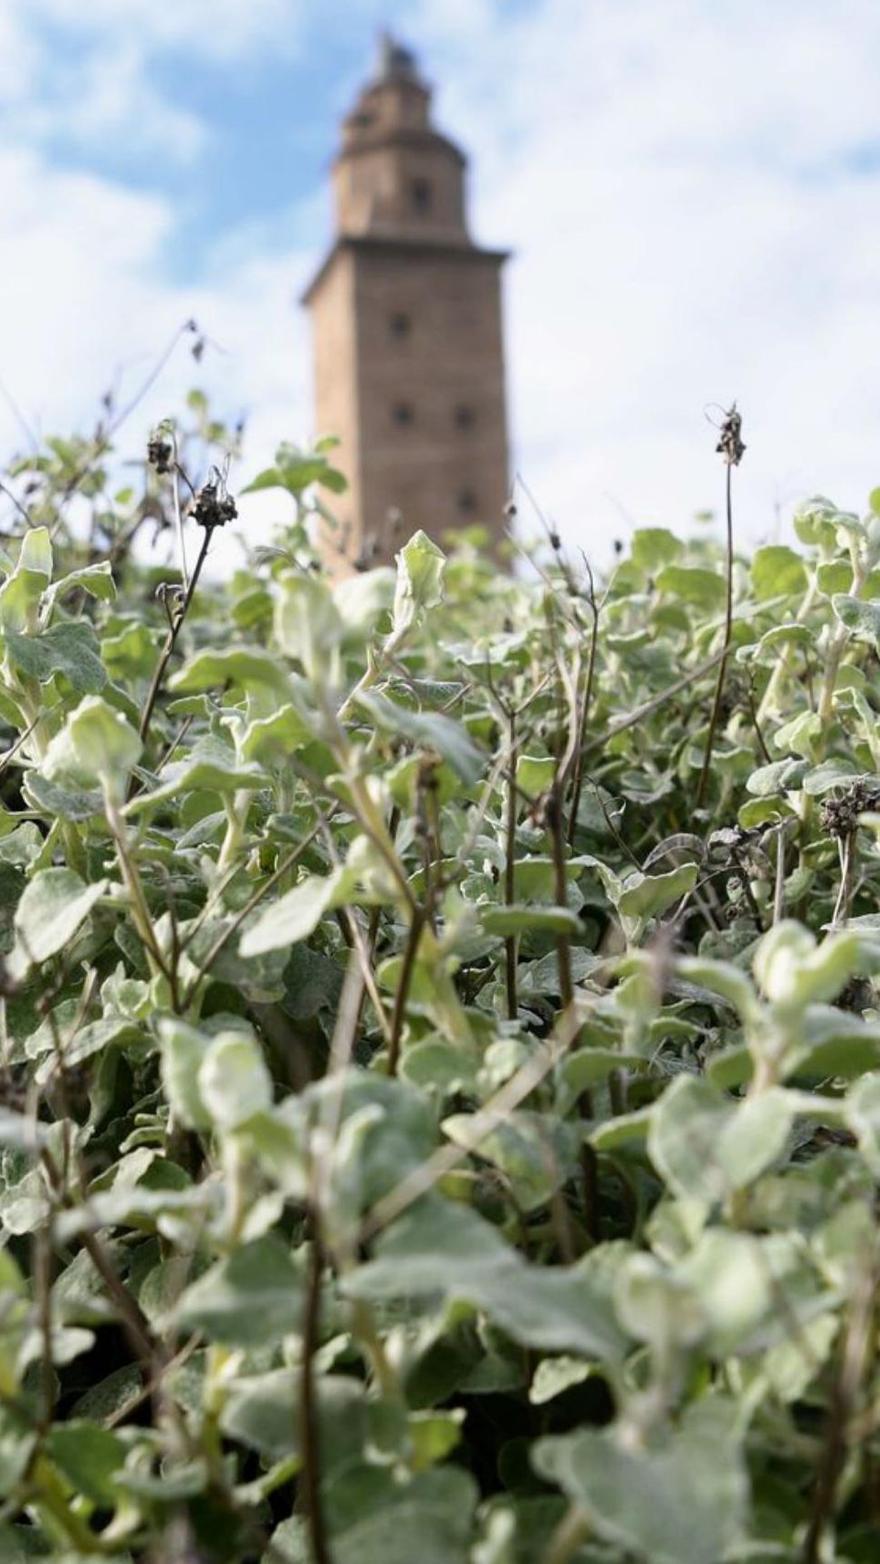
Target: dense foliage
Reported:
[(441, 1078)]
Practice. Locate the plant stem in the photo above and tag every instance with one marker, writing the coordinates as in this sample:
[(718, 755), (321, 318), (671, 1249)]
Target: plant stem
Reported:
[(728, 629), (308, 1406), (567, 1538), (557, 845), (131, 879), (510, 943), (578, 780), (178, 519), (847, 875), (171, 639), (648, 708), (843, 1395), (779, 884), (417, 923), (244, 912), (836, 650)]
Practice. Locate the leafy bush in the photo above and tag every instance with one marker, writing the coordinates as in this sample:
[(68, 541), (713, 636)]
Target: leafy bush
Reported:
[(441, 1069)]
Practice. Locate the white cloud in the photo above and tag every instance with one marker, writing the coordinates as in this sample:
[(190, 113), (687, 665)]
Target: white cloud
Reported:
[(107, 100), (680, 185), (18, 56), (219, 28), (85, 311), (675, 181), (82, 72)]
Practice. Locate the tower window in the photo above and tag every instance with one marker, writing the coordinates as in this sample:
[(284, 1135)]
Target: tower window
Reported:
[(465, 417), (403, 413), (467, 501), (421, 194), (399, 324)]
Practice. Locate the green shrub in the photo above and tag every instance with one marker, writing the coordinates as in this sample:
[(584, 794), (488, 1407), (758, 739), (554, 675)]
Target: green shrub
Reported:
[(441, 1069)]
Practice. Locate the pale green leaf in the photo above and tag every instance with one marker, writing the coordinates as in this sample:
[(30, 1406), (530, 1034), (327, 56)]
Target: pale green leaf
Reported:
[(678, 1499), (706, 1146), (233, 1081), (420, 569), (52, 908), (252, 1299)]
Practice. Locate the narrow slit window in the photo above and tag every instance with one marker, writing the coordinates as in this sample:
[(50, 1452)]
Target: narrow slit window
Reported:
[(400, 324), (421, 194), (465, 417), (403, 414), (467, 501)]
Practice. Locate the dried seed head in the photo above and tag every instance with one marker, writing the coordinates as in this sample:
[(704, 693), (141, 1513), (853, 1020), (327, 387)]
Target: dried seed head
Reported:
[(840, 815), (730, 444), (213, 507), (159, 452), (858, 995)]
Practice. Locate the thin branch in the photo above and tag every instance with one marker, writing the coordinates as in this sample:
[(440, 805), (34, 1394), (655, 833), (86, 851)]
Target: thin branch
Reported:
[(648, 708), (725, 650), (417, 923), (244, 912), (174, 631), (577, 782), (511, 942), (309, 1429)]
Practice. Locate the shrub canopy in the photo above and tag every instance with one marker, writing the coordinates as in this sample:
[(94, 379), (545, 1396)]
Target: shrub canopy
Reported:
[(436, 1124)]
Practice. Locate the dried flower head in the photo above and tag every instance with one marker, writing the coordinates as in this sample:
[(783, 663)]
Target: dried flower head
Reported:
[(159, 452), (840, 815), (212, 506), (730, 444)]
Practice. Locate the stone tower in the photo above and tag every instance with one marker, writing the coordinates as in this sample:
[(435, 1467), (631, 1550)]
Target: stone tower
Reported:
[(406, 322)]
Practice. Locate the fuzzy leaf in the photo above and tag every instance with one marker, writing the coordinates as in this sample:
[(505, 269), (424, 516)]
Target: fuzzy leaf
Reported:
[(53, 906), (680, 1499), (252, 1299)]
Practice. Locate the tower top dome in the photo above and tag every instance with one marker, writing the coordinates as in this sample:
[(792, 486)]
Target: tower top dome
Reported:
[(396, 61), (396, 174)]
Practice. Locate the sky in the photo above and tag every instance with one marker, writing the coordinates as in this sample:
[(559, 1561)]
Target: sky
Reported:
[(691, 189)]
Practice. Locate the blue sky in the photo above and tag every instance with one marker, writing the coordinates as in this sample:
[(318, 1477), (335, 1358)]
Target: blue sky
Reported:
[(691, 189)]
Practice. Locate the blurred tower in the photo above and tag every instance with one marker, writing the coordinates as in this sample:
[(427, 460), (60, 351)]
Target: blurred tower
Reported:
[(406, 323)]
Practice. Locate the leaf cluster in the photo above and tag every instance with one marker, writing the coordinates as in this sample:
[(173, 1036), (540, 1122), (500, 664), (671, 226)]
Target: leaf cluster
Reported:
[(425, 1130)]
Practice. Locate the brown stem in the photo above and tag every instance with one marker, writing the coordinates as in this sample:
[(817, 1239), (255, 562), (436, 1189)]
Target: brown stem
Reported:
[(578, 781), (42, 1262), (563, 941), (309, 1432), (174, 631), (648, 708), (843, 1395), (131, 1317), (417, 923), (590, 1178), (510, 943), (753, 715), (728, 629), (244, 912)]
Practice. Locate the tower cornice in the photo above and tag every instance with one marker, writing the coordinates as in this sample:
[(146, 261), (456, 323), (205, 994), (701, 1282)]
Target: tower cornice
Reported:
[(463, 250), (428, 139)]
